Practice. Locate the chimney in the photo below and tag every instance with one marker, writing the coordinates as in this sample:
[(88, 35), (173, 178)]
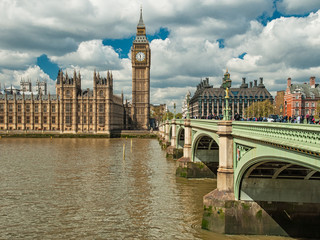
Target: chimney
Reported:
[(243, 80), (250, 84), (261, 80), (312, 82), (255, 83), (289, 82)]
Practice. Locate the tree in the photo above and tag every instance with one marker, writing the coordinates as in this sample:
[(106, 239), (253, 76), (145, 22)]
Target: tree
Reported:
[(318, 108), (260, 109)]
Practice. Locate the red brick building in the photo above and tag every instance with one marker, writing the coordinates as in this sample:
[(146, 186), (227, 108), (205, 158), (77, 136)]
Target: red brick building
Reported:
[(301, 99)]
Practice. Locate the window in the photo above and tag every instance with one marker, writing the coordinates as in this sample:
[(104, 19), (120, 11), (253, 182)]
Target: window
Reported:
[(28, 119), (36, 108), (297, 112), (10, 108), (101, 120), (312, 104), (1, 107), (19, 107), (90, 119), (27, 107), (1, 119), (53, 120), (297, 104), (36, 119), (67, 93), (19, 119), (78, 119), (307, 104), (84, 120), (90, 108), (10, 119), (68, 107), (101, 107), (84, 107), (79, 107), (53, 108), (68, 119), (101, 93), (45, 120), (45, 108)]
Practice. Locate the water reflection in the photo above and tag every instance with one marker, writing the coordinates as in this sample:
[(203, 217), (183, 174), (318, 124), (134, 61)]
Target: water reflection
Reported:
[(84, 189)]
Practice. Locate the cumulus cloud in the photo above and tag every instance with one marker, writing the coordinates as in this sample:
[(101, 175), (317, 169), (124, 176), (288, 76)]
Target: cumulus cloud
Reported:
[(71, 35), (91, 54)]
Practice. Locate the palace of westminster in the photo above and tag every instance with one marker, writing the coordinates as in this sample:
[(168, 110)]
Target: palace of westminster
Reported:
[(73, 109)]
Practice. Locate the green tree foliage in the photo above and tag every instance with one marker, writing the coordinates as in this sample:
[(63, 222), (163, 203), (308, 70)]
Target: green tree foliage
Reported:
[(260, 109), (318, 108)]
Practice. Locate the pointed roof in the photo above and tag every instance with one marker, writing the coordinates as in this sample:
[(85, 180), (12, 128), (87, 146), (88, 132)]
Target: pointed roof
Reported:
[(141, 23)]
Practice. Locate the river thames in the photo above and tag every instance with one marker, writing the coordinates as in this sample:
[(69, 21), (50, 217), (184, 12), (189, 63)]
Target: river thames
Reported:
[(84, 189)]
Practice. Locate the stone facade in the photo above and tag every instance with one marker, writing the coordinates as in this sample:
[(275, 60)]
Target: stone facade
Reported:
[(208, 101), (71, 109)]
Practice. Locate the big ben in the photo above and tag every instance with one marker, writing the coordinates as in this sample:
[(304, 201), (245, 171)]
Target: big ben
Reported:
[(141, 60)]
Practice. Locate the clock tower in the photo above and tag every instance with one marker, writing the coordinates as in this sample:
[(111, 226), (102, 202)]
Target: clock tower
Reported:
[(141, 60)]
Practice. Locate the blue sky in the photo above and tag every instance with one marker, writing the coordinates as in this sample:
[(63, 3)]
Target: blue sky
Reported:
[(189, 40)]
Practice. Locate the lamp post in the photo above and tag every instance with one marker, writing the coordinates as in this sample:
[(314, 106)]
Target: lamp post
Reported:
[(226, 116)]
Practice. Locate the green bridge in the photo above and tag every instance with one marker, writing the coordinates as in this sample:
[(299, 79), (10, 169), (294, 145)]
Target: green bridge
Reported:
[(268, 174)]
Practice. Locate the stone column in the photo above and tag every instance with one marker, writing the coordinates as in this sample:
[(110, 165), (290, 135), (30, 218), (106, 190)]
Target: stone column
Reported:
[(187, 140), (167, 132), (173, 137), (225, 170)]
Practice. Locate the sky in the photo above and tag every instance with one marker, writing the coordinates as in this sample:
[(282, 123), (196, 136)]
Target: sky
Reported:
[(189, 40)]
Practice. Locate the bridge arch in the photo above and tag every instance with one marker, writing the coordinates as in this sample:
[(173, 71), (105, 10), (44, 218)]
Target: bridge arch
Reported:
[(205, 149), (280, 177), (180, 137)]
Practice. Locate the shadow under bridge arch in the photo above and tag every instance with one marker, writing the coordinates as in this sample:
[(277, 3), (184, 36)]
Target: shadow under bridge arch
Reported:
[(180, 138), (206, 150)]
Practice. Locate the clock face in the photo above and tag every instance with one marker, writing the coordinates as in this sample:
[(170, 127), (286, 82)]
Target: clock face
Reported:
[(140, 56)]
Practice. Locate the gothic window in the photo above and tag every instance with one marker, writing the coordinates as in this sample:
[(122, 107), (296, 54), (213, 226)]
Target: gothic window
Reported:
[(45, 108), (10, 107), (90, 119), (90, 108), (101, 120), (36, 108), (68, 119), (10, 119), (28, 108), (68, 107), (101, 107), (67, 93), (53, 120), (53, 108), (28, 119), (19, 119), (45, 120), (1, 119), (19, 107), (84, 120), (1, 108), (84, 107), (36, 119), (101, 93)]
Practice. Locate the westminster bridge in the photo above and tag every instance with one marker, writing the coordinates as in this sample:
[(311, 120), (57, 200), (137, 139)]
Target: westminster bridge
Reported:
[(268, 174)]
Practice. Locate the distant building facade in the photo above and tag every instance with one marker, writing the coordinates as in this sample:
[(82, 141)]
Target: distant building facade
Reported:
[(208, 101), (69, 110), (301, 99), (184, 108), (73, 109), (279, 103)]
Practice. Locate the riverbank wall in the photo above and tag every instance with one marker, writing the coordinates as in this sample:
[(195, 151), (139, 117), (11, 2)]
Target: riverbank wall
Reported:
[(57, 134)]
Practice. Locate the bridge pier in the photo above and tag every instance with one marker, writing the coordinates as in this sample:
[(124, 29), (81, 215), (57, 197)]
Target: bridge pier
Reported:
[(172, 150)]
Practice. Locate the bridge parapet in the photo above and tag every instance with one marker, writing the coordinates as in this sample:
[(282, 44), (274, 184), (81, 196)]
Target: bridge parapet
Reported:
[(297, 136), (208, 125)]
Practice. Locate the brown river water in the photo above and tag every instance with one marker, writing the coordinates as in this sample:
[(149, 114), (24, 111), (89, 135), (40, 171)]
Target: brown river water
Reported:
[(84, 189)]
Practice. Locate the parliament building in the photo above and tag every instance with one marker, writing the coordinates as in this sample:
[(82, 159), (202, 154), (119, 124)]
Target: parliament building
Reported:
[(73, 109)]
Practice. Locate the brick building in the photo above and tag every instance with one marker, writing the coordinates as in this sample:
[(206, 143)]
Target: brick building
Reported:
[(301, 99)]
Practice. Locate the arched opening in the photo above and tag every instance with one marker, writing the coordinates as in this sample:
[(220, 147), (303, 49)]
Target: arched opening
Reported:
[(207, 151), (180, 138), (280, 181)]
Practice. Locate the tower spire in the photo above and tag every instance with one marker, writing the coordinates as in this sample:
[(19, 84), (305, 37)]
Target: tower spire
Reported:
[(141, 23)]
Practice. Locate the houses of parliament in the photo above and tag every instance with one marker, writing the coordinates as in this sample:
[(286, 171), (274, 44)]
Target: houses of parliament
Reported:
[(73, 109)]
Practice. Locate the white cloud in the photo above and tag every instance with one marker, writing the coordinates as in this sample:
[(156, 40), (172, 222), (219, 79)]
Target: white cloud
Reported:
[(298, 6)]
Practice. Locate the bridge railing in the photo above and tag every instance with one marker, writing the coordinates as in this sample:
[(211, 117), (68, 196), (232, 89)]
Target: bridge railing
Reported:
[(300, 136), (210, 125)]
